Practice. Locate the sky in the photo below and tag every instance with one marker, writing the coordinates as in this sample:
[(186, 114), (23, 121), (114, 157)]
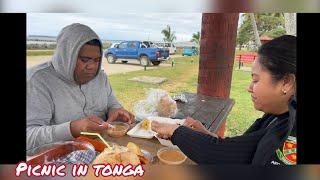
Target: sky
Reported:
[(119, 26), (116, 26)]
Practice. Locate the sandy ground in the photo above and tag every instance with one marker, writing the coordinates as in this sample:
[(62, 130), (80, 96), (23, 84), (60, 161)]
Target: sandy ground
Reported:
[(132, 65)]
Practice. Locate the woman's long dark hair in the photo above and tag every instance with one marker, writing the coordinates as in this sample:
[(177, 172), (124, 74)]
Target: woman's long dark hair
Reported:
[(278, 56)]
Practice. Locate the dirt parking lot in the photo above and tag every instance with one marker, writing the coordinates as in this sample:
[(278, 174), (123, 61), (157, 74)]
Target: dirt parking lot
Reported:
[(132, 65)]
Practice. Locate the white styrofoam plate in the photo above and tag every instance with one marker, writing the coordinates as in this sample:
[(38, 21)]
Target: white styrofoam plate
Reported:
[(167, 120), (138, 132), (166, 142), (142, 133)]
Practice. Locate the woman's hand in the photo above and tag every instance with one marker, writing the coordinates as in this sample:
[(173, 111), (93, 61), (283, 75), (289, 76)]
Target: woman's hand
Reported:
[(164, 130), (197, 126)]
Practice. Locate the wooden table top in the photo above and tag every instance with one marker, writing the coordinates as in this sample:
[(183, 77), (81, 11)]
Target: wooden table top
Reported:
[(150, 145), (211, 111)]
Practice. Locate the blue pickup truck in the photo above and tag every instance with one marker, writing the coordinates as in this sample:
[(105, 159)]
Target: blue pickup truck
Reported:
[(137, 50)]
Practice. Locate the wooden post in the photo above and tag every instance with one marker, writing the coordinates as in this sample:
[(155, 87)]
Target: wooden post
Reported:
[(217, 51), (239, 61)]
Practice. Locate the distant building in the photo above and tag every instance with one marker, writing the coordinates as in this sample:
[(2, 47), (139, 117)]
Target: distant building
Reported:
[(41, 40), (182, 44), (38, 39), (265, 38)]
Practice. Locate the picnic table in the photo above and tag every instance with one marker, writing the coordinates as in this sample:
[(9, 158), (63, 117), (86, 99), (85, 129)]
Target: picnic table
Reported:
[(150, 145), (246, 58), (211, 111)]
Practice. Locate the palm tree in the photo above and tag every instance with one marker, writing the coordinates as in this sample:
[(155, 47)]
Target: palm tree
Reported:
[(255, 29), (168, 34), (196, 38), (252, 19)]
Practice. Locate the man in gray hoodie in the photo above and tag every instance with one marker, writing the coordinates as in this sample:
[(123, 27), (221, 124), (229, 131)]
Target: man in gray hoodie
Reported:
[(70, 93)]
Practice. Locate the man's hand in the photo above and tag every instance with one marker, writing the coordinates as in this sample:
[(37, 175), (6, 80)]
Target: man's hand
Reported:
[(164, 130), (120, 113), (197, 126), (90, 123)]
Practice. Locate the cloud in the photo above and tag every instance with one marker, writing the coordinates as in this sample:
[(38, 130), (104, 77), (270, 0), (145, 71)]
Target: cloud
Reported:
[(85, 6), (130, 26)]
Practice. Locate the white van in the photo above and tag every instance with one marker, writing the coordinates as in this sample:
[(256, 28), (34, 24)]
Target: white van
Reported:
[(169, 45)]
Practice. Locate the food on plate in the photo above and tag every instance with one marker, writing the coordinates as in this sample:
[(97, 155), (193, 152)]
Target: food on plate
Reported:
[(117, 155), (146, 124), (122, 155), (119, 129), (143, 160), (129, 158), (99, 146), (134, 148), (166, 107)]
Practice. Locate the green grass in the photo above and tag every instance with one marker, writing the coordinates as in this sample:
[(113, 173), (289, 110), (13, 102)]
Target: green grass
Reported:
[(243, 113), (179, 51), (244, 51), (179, 80), (40, 52), (183, 77)]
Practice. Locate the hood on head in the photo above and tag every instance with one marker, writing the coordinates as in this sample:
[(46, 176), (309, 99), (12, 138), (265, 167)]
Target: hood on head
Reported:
[(69, 42)]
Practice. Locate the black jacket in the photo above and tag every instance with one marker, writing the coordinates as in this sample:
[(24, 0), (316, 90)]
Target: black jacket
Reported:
[(256, 146), (276, 136)]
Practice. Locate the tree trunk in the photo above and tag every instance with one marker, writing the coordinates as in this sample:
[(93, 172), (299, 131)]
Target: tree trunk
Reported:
[(255, 29), (217, 52), (290, 21)]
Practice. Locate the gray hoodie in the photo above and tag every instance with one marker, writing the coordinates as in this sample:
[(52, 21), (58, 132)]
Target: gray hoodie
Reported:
[(53, 97)]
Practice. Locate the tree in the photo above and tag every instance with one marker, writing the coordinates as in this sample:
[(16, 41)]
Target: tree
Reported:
[(168, 34), (290, 23), (196, 38), (267, 23), (271, 24), (255, 29), (275, 32), (244, 34)]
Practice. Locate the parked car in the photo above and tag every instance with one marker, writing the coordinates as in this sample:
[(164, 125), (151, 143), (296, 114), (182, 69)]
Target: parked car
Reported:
[(137, 50), (150, 44), (169, 45), (114, 45), (190, 51)]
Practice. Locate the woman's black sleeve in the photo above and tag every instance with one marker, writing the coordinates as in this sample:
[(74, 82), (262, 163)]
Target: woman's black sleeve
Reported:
[(206, 149)]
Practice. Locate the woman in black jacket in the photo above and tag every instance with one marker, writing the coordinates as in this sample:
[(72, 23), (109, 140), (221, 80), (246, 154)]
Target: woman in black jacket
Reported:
[(271, 140)]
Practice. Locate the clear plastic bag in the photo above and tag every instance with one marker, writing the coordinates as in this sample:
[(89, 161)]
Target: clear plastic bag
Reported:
[(157, 103)]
